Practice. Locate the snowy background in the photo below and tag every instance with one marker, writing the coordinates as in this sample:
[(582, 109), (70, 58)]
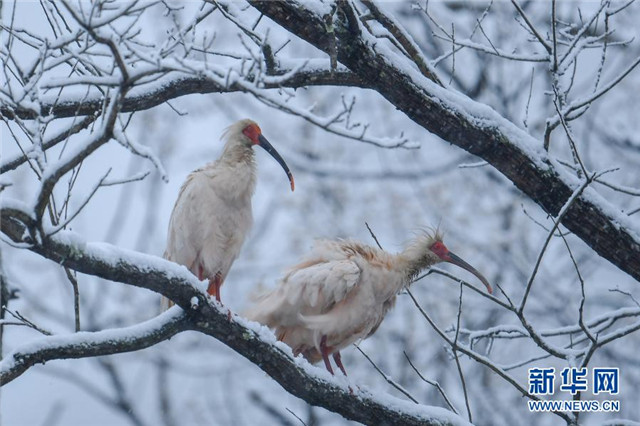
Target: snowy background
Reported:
[(340, 185)]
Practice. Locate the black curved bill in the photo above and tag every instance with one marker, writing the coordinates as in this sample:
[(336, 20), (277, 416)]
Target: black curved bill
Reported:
[(456, 260), (264, 143)]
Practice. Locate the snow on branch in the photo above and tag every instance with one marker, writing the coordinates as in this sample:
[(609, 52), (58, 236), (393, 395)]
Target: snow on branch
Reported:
[(15, 162), (90, 344), (410, 47), (469, 125), (251, 340), (54, 172), (598, 324), (174, 85)]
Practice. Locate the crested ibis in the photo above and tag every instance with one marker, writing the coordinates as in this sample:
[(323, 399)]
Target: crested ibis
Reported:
[(341, 292), (212, 215)]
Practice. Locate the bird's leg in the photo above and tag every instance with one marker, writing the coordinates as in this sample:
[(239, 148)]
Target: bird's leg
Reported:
[(200, 273), (214, 286), (324, 350), (338, 359)]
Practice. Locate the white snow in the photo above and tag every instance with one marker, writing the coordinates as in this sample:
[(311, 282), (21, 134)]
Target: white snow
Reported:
[(421, 411), (484, 116), (88, 339), (319, 7), (113, 255), (194, 302), (15, 204), (320, 373)]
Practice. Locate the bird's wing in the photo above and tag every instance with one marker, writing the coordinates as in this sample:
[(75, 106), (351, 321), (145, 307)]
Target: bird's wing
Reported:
[(310, 288), (322, 285), (179, 239)]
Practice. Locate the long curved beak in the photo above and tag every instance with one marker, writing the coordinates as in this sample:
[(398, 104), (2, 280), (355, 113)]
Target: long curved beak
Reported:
[(456, 260), (264, 143)]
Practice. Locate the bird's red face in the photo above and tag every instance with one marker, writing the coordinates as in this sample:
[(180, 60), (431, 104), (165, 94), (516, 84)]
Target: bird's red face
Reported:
[(440, 250), (253, 132)]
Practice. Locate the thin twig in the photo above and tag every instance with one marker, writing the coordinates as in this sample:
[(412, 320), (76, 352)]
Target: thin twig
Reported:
[(526, 110), (572, 142), (626, 293), (432, 383), (457, 358), (17, 315), (296, 416), (481, 359), (386, 377), (76, 296), (374, 236), (404, 39), (558, 220), (554, 35), (535, 32), (62, 136)]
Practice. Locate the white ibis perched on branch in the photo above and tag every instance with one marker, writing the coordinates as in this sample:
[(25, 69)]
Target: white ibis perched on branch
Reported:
[(212, 215), (341, 293)]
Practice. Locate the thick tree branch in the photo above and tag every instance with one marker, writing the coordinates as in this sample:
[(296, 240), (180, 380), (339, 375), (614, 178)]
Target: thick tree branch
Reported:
[(313, 385), (404, 39), (469, 125), (176, 85)]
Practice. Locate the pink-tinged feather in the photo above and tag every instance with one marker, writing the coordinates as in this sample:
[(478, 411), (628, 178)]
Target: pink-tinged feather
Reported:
[(341, 293)]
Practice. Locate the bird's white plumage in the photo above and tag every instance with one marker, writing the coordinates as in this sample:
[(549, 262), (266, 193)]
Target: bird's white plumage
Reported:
[(212, 215), (208, 226), (341, 291), (324, 283)]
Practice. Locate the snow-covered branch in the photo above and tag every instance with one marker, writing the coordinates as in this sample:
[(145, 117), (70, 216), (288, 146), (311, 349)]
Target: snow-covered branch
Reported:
[(79, 110), (176, 84), (480, 358), (90, 344), (471, 126), (251, 340)]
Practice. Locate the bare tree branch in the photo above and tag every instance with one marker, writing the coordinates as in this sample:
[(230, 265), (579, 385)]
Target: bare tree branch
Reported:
[(404, 39), (203, 315), (60, 137), (481, 359), (175, 85), (471, 127), (87, 344), (388, 379)]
